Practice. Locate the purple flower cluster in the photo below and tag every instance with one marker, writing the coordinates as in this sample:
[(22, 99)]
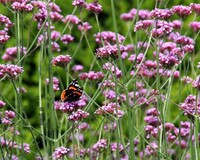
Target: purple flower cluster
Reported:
[(91, 75), (83, 126), (11, 53), (142, 14), (2, 104), (111, 108), (7, 117), (5, 21), (113, 69), (10, 70), (60, 152), (22, 5), (73, 108), (182, 11), (78, 115), (101, 144), (42, 13), (107, 83), (190, 106), (143, 25), (55, 83), (71, 19), (14, 145), (195, 7), (78, 2), (55, 35), (66, 38), (174, 136), (161, 13), (161, 28), (61, 60), (195, 26), (6, 24), (94, 7), (110, 50), (69, 107), (85, 26), (196, 83), (108, 37), (77, 68)]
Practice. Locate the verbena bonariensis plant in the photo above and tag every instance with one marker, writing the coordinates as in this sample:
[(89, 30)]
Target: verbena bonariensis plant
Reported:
[(140, 81)]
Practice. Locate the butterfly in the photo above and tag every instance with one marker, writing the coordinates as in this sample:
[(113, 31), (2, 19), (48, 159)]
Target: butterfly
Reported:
[(72, 93)]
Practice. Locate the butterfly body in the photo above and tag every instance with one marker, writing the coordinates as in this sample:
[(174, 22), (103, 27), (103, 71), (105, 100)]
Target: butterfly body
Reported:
[(72, 93)]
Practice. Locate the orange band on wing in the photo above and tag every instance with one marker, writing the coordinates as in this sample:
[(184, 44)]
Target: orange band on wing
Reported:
[(77, 92), (63, 95), (72, 88)]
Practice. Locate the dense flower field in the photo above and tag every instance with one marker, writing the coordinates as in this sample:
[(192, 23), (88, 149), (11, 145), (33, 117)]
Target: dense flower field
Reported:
[(95, 84)]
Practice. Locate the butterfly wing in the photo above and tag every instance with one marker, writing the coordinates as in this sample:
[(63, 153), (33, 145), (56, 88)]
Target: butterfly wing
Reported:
[(72, 93)]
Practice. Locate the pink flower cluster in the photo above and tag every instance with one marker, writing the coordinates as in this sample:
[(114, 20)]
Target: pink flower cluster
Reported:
[(195, 7), (93, 7), (85, 26), (182, 11), (77, 68), (195, 26), (174, 136), (78, 2), (73, 19), (107, 83), (60, 152), (110, 50), (161, 28), (55, 83), (42, 13), (91, 75), (73, 108), (161, 13), (7, 117), (113, 69), (6, 23), (55, 35), (10, 70), (111, 108), (190, 106), (101, 144), (142, 14), (2, 104), (67, 107), (108, 37), (14, 145), (78, 115), (66, 38), (61, 60), (22, 5), (11, 53)]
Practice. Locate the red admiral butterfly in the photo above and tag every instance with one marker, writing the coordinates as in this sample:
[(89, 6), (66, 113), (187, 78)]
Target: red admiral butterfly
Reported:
[(72, 93)]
